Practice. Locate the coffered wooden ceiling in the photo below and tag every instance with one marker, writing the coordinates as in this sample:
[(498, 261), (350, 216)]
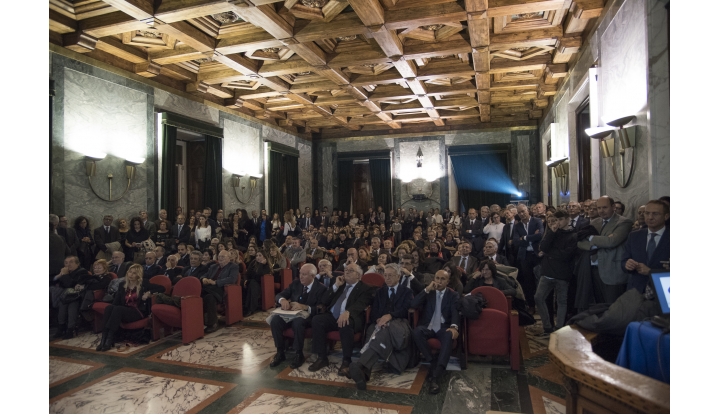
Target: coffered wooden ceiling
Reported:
[(343, 67)]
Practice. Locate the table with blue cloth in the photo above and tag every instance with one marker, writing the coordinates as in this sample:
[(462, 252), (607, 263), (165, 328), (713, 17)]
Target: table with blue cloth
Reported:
[(646, 350)]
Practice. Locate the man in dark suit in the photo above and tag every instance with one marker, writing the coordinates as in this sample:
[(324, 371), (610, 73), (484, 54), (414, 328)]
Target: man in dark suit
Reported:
[(375, 250), (490, 252), (472, 230), (180, 231), (346, 301), (304, 294), (105, 234), (646, 249), (389, 310), (321, 220), (352, 258), (196, 268), (161, 258), (506, 247), (313, 252), (576, 220), (218, 276), (256, 223), (183, 256), (407, 278), (118, 264), (68, 234), (439, 320), (148, 224), (151, 269), (464, 262), (305, 221), (527, 234)]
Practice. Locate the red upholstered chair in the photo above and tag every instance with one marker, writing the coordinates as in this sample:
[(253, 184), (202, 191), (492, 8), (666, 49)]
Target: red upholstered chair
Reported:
[(496, 332), (189, 317), (268, 286), (435, 343), (233, 303), (373, 279), (99, 307)]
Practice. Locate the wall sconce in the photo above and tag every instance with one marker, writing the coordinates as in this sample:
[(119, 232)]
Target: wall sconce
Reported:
[(251, 181), (626, 136), (90, 169), (419, 157), (562, 172), (607, 145)]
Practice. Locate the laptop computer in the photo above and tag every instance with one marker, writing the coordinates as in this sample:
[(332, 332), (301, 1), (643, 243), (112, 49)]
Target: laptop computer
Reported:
[(661, 284)]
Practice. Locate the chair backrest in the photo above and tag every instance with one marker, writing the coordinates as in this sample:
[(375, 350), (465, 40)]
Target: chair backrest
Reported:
[(187, 286), (113, 276), (495, 298), (287, 263), (242, 267), (373, 279), (164, 281)]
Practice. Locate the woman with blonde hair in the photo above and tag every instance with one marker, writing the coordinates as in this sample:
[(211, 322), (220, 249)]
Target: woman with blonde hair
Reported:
[(130, 304), (290, 225), (203, 233)]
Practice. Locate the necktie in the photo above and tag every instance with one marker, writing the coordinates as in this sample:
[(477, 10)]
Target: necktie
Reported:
[(574, 223), (651, 246), (107, 229), (336, 310), (463, 263), (605, 222), (392, 294), (472, 222), (436, 318), (179, 229), (192, 269), (327, 281), (304, 294)]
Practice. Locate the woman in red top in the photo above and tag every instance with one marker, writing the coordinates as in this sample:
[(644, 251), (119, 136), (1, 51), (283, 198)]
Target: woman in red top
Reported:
[(130, 304)]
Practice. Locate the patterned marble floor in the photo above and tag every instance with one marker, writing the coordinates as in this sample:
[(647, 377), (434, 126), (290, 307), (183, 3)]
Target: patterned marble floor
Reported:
[(235, 348), (88, 341), (271, 401), (258, 317), (136, 391), (63, 369), (409, 381)]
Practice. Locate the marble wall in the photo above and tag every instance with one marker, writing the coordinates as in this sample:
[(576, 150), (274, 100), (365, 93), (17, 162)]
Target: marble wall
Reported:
[(96, 111), (433, 179), (630, 50)]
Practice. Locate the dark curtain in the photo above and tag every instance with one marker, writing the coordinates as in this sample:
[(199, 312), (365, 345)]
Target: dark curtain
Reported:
[(168, 175), (292, 184), (345, 180), (380, 180), (212, 191), (477, 172), (276, 181)]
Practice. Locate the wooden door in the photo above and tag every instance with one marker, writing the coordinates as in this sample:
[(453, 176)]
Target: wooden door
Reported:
[(362, 189), (195, 174)]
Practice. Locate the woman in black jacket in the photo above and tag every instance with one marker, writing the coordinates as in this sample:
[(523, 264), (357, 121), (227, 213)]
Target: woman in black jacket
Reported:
[(84, 234), (486, 276), (255, 271), (69, 303), (131, 304), (136, 236)]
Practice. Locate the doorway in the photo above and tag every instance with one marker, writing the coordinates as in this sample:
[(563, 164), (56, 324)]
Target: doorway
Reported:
[(582, 121), (190, 161), (362, 196)]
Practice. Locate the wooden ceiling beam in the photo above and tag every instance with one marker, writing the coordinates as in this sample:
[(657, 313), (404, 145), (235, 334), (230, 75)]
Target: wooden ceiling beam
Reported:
[(371, 12), (293, 65), (388, 40), (509, 65), (110, 24), (309, 51), (139, 9), (511, 86), (429, 50), (247, 42), (332, 74), (179, 54), (312, 87), (524, 39), (114, 46), (79, 42), (61, 23), (238, 63), (170, 11), (265, 16), (499, 8), (346, 24), (275, 83), (176, 72), (424, 15), (189, 35)]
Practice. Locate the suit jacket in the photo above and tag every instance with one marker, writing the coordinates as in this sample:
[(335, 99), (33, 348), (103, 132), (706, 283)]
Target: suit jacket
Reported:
[(358, 300), (533, 238), (151, 228), (476, 229), (507, 235), (184, 260), (472, 263), (183, 236), (101, 238), (318, 221), (197, 272), (400, 303), (448, 308), (293, 293), (581, 222), (500, 259), (120, 270), (636, 249), (305, 223), (228, 275), (319, 253), (71, 239), (415, 285), (153, 270), (58, 251), (610, 248)]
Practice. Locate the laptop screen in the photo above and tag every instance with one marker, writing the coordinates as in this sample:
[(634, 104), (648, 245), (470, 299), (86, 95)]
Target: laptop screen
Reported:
[(661, 281)]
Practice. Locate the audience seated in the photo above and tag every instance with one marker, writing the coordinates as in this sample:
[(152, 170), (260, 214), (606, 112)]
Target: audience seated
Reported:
[(219, 275)]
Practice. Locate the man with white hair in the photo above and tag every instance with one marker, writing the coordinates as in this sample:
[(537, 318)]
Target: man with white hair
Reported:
[(304, 294), (490, 252)]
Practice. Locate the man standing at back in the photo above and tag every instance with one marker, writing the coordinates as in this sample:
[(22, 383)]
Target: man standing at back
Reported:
[(472, 230), (105, 234), (147, 224), (646, 249), (607, 249), (526, 237)]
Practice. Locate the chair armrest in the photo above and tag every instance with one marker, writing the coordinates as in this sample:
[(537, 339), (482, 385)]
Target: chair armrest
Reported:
[(98, 294), (509, 300)]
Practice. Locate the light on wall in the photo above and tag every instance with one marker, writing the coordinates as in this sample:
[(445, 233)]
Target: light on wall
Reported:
[(561, 170), (419, 157), (250, 180), (626, 137), (90, 169)]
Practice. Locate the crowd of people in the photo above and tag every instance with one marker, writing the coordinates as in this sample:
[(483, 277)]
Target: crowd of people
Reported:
[(564, 260)]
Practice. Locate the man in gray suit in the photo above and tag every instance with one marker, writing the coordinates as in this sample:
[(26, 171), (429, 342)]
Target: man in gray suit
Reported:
[(609, 280), (218, 276), (149, 225)]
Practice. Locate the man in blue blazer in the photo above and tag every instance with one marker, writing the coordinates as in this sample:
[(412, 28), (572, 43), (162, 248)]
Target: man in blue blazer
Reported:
[(304, 294), (527, 234), (442, 324), (647, 248)]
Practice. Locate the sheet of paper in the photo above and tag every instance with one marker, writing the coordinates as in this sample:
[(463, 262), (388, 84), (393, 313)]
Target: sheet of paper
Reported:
[(279, 310)]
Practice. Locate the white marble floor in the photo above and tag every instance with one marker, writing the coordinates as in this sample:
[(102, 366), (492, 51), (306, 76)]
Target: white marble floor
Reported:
[(88, 341), (62, 369), (135, 391), (259, 316), (230, 348), (268, 401), (409, 381)]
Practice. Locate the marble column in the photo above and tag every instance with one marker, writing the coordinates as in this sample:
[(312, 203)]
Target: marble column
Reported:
[(658, 98)]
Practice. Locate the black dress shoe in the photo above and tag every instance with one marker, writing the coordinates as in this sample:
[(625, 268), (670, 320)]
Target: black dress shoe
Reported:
[(297, 361), (345, 369), (279, 358), (319, 364), (211, 329), (360, 375), (434, 388)]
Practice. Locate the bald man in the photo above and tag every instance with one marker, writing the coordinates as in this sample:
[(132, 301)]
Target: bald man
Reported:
[(213, 292)]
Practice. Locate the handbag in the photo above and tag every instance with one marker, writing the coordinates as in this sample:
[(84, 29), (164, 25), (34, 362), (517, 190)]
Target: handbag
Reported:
[(69, 295)]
